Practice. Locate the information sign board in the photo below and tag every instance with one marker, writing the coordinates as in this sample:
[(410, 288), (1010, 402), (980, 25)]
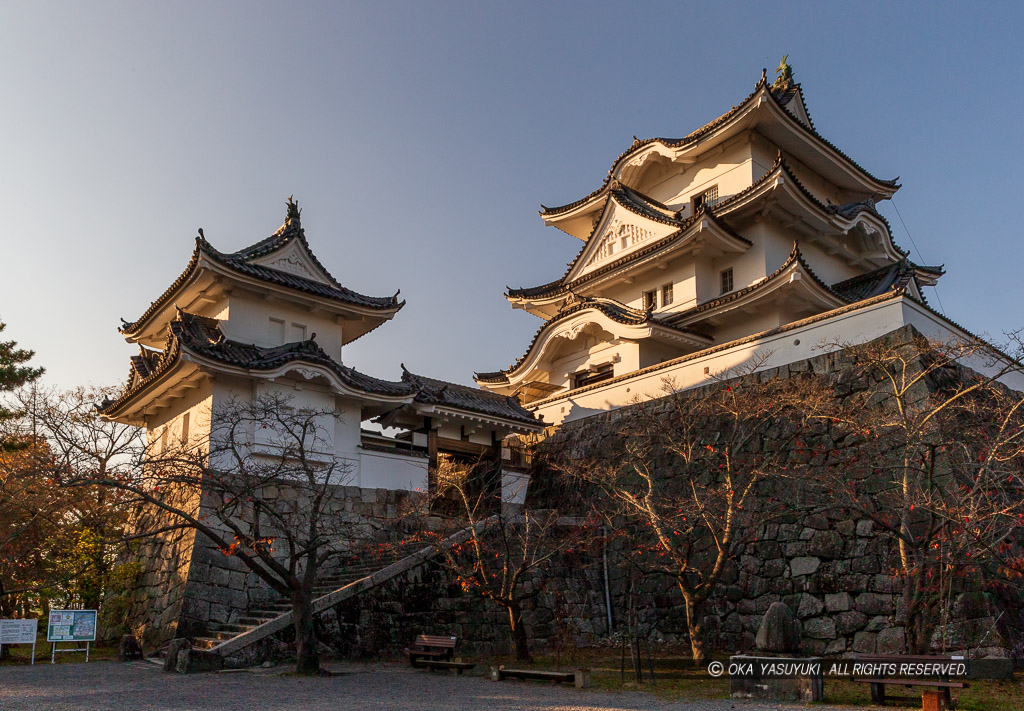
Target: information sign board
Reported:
[(71, 626), (18, 631)]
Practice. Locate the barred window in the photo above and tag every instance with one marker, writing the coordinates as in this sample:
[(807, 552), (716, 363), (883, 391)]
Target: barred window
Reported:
[(726, 280), (708, 198), (666, 295)]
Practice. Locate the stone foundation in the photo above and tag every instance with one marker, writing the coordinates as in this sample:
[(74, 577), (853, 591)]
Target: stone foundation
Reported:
[(187, 582)]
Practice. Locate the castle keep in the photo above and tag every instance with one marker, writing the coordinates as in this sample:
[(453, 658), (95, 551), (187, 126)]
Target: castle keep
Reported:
[(751, 240)]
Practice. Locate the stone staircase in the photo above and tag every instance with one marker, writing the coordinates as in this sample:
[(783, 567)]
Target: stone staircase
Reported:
[(270, 614)]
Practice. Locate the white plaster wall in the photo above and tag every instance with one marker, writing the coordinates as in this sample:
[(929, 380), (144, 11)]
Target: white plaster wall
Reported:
[(347, 427), (816, 185), (830, 269), (744, 324), (249, 322), (798, 344), (624, 354), (729, 167), (513, 486), (197, 404), (652, 352), (380, 470)]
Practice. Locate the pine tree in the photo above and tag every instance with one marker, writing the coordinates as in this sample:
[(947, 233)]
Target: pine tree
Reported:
[(13, 374)]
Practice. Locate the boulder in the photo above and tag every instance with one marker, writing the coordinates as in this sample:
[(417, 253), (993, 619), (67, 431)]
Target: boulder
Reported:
[(173, 650), (129, 649), (779, 632)]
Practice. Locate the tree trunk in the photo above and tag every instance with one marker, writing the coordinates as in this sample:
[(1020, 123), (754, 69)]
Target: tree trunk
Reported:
[(307, 659), (519, 638), (917, 620), (695, 626)]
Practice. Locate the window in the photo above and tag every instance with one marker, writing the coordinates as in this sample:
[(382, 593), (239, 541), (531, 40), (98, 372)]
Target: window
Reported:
[(594, 375), (184, 427), (276, 331), (650, 300), (708, 198), (726, 280), (666, 294), (298, 332)]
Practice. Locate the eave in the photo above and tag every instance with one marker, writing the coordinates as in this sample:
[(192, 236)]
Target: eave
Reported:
[(795, 325), (620, 320), (762, 111), (779, 195), (793, 278), (209, 278), (703, 231)]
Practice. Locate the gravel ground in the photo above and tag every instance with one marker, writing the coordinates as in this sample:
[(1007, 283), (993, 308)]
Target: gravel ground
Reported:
[(139, 686)]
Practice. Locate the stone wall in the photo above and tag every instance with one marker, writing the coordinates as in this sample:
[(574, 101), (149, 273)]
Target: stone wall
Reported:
[(188, 582), (833, 569)]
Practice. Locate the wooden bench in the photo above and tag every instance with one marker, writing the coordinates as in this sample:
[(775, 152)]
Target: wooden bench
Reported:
[(431, 647), (456, 666), (579, 677), (878, 683)]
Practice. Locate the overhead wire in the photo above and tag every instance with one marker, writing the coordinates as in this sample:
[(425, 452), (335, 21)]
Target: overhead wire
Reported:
[(918, 250)]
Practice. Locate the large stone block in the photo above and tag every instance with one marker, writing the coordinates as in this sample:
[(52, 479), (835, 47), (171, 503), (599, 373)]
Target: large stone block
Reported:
[(850, 621), (804, 565), (838, 602), (865, 527), (809, 606), (819, 628), (864, 642), (826, 544), (866, 564), (874, 604), (890, 641)]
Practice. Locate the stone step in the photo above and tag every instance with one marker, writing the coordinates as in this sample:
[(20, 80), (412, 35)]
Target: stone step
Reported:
[(221, 635), (252, 621), (229, 627), (271, 609), (206, 642)]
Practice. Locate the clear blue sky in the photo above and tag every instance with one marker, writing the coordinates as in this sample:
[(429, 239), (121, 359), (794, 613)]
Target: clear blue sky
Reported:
[(420, 138)]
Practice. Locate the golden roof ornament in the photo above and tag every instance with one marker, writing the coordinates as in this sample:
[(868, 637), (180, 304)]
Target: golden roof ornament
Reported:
[(785, 74), (294, 213)]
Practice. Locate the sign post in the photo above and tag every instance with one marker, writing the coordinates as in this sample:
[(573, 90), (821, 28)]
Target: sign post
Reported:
[(71, 626), (19, 632)]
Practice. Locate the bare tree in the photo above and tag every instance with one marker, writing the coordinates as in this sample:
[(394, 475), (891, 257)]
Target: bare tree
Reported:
[(931, 452), (87, 446), (683, 480), (265, 487), (504, 548)]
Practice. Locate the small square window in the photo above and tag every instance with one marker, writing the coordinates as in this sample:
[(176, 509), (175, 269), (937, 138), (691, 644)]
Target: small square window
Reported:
[(708, 198), (298, 332), (666, 295), (650, 300), (726, 280)]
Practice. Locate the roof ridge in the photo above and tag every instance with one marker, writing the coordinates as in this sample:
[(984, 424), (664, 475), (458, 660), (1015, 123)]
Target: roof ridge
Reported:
[(693, 135)]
